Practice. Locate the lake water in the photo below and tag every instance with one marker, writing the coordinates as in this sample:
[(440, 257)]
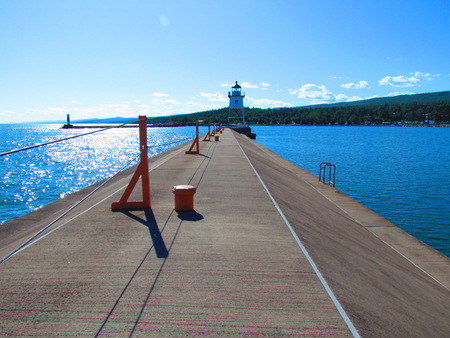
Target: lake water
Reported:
[(401, 173), (36, 177)]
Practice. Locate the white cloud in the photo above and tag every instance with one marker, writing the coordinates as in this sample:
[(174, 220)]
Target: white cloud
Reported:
[(100, 111), (76, 102), (173, 101), (359, 85), (420, 74), (345, 98), (148, 110), (159, 101), (9, 116), (120, 107), (248, 85), (266, 103), (57, 110), (400, 93), (203, 106), (52, 113), (145, 107), (214, 97), (160, 94), (265, 85), (427, 76), (399, 81), (90, 110), (318, 94)]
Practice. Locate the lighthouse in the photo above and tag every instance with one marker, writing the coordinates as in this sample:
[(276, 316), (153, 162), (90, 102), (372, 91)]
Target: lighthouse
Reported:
[(236, 106)]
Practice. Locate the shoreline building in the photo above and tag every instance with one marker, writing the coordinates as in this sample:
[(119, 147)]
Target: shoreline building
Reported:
[(236, 112)]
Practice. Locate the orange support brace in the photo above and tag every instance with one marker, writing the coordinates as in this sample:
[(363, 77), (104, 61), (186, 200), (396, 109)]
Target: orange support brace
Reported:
[(195, 142), (142, 172), (208, 135)]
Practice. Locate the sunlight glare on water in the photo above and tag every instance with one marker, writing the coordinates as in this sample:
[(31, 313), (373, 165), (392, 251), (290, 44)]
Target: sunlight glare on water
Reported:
[(36, 177)]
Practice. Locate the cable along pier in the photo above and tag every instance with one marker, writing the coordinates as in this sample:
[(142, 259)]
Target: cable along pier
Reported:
[(264, 249)]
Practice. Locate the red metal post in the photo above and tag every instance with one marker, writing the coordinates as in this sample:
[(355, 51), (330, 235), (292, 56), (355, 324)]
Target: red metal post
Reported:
[(208, 134), (195, 142), (142, 172)]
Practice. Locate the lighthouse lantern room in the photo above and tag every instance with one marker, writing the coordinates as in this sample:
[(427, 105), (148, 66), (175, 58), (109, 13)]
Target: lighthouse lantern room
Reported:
[(236, 113)]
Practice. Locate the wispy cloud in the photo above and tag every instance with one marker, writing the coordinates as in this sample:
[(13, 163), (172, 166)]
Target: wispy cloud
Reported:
[(120, 107), (345, 98), (173, 101), (214, 97), (427, 76), (359, 85), (399, 81), (266, 103), (265, 85), (105, 110), (403, 92), (159, 101), (203, 106), (160, 94), (248, 85)]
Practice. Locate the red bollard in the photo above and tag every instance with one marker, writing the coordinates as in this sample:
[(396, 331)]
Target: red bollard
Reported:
[(184, 197)]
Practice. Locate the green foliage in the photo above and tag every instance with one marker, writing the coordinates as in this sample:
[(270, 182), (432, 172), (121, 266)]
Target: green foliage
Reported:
[(406, 108)]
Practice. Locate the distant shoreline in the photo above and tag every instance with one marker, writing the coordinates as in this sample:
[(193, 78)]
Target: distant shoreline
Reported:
[(350, 125)]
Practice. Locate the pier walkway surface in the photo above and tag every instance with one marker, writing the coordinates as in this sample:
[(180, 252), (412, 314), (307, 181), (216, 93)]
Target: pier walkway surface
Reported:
[(268, 252)]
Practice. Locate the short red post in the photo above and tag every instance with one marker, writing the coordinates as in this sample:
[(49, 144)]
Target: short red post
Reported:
[(184, 197)]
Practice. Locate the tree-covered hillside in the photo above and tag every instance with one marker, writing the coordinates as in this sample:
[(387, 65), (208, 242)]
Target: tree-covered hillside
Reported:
[(415, 109)]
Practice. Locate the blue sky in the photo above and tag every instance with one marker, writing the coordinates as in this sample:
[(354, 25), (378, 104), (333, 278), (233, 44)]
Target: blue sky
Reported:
[(111, 58)]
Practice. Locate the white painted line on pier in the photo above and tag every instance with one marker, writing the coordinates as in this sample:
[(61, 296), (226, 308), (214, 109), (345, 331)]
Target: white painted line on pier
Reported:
[(381, 239), (308, 257)]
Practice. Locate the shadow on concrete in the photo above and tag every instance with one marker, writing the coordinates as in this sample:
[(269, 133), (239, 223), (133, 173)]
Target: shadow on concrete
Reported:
[(161, 252), (152, 225), (191, 216)]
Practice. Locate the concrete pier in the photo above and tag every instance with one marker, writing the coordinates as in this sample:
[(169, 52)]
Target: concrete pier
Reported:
[(268, 252)]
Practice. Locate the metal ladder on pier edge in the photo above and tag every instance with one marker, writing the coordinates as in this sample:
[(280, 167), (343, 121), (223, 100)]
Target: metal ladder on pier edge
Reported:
[(330, 169)]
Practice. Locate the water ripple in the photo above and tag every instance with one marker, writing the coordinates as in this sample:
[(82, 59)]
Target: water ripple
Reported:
[(36, 177)]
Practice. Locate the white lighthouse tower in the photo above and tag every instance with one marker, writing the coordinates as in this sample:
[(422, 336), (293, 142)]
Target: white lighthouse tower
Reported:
[(236, 107)]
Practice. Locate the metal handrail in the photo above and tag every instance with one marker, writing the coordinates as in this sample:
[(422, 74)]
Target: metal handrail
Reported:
[(236, 93), (331, 172)]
